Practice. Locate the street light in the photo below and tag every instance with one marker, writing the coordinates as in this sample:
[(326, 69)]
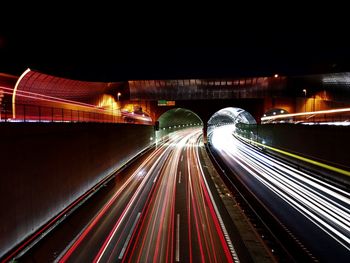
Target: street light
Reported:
[(304, 90), (119, 94)]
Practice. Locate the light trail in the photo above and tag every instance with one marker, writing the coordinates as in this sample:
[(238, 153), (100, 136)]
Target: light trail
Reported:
[(107, 207), (304, 159), (15, 91), (42, 97), (282, 116), (150, 209), (159, 238), (327, 206)]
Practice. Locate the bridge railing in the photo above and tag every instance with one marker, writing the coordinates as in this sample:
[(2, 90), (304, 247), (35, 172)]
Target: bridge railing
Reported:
[(40, 113)]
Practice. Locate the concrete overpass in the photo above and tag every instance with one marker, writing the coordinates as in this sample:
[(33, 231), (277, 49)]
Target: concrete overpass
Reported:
[(257, 95)]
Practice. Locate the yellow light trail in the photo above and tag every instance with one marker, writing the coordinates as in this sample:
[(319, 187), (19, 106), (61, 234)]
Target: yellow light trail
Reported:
[(323, 165)]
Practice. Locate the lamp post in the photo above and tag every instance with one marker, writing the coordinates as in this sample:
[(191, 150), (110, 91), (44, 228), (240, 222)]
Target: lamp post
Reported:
[(118, 95), (304, 90)]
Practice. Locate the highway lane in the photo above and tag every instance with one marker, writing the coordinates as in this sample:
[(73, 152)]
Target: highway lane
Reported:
[(163, 212), (316, 212), (107, 232), (181, 224)]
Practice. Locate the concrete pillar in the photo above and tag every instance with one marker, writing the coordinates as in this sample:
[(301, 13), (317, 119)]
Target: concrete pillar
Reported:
[(205, 135)]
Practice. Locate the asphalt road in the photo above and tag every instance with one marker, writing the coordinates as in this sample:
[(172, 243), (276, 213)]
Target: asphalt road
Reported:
[(180, 224), (315, 212), (161, 210)]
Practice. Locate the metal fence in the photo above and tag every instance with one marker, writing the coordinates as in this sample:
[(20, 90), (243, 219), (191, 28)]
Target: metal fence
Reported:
[(39, 113)]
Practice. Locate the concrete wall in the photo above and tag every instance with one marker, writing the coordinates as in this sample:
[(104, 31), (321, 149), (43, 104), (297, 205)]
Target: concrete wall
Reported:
[(46, 166), (330, 144)]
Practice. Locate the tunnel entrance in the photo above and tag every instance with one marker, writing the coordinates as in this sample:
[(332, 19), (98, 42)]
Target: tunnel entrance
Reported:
[(176, 119), (229, 116)]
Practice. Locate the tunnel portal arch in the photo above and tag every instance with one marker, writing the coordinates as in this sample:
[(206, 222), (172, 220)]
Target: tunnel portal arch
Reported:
[(176, 119), (229, 115)]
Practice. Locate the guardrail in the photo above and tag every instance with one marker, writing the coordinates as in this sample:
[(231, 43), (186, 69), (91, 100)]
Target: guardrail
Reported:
[(40, 113)]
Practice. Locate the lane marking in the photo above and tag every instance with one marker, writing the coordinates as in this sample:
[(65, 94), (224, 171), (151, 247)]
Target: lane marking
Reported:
[(155, 179), (180, 177), (182, 158), (177, 252), (129, 236), (221, 222)]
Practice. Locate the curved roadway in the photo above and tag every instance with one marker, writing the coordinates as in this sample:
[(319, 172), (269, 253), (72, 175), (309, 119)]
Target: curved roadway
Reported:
[(315, 212), (164, 212)]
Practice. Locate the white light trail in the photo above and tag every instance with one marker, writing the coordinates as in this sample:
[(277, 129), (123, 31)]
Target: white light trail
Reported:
[(305, 114), (325, 205)]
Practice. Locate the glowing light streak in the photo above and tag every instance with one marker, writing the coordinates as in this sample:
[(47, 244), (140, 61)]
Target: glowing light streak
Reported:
[(15, 91), (325, 205), (217, 216), (304, 114), (150, 223), (129, 236), (323, 165), (38, 96), (125, 212), (103, 211), (195, 213)]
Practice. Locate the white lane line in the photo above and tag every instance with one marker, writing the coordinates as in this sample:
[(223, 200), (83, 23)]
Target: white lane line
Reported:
[(221, 222), (126, 209), (155, 179), (180, 177), (129, 236), (177, 252)]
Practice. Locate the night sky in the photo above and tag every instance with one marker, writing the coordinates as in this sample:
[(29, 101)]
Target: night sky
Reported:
[(113, 53)]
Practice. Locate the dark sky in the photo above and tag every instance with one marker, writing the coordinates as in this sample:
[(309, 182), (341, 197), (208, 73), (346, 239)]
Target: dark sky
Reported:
[(112, 53)]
